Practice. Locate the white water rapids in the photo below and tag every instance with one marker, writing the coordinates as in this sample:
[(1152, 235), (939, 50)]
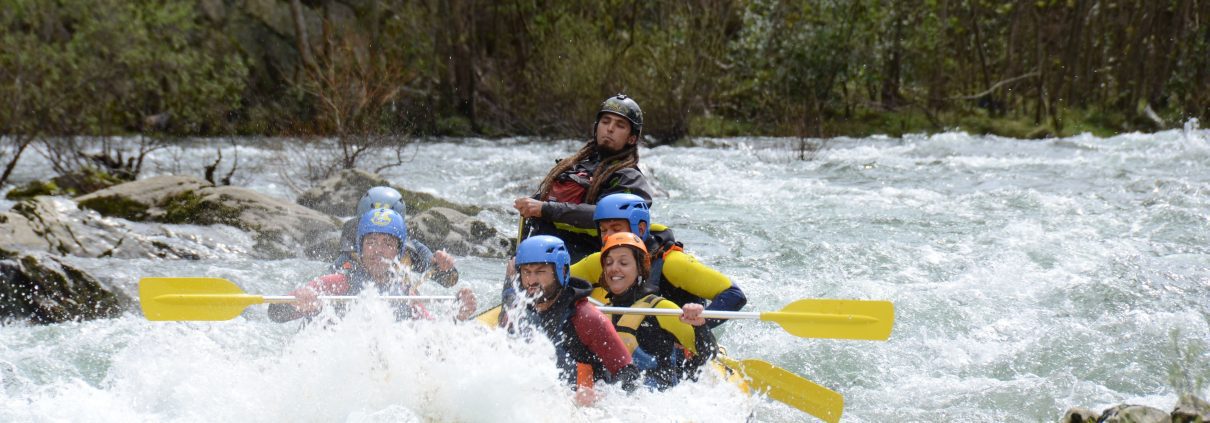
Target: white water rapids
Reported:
[(1028, 277)]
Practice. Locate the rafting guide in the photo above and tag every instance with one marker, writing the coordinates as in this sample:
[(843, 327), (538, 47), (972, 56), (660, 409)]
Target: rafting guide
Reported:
[(606, 164)]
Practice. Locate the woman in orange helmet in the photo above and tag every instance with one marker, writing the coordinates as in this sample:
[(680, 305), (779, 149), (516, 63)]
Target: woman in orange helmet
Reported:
[(665, 348)]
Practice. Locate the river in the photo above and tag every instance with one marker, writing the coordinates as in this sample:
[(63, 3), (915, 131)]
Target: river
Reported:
[(1028, 276)]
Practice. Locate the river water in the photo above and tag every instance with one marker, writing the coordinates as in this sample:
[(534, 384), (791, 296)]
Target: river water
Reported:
[(1027, 276)]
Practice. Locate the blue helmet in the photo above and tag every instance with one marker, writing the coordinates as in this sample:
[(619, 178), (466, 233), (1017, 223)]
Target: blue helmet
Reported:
[(625, 206), (382, 221), (381, 198), (546, 249)]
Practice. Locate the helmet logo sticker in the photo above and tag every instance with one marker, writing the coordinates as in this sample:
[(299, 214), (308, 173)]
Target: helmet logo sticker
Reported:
[(381, 218)]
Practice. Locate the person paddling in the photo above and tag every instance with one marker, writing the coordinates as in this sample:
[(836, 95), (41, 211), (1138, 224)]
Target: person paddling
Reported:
[(665, 348), (607, 164), (674, 274), (587, 348), (381, 235), (437, 266)]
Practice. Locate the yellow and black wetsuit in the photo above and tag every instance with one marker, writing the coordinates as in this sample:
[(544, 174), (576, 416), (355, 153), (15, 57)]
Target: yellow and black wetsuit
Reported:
[(675, 275), (664, 348)]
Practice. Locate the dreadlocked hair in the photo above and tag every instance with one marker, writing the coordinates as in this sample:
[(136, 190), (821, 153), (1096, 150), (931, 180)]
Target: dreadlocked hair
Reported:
[(628, 157)]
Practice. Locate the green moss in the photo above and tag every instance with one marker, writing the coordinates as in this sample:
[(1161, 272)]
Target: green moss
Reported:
[(117, 206), (190, 208), (33, 189)]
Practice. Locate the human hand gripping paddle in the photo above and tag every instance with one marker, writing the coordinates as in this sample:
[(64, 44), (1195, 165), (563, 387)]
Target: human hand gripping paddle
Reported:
[(212, 299)]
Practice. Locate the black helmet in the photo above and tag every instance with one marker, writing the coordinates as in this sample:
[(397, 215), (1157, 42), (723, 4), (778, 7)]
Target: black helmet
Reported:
[(626, 107)]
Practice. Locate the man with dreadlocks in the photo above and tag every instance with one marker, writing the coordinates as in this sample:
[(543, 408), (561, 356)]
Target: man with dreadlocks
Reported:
[(607, 164)]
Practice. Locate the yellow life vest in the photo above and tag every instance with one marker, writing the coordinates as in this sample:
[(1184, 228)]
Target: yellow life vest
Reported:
[(628, 326)]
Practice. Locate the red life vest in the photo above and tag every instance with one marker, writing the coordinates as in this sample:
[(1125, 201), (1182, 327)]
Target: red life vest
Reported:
[(570, 188)]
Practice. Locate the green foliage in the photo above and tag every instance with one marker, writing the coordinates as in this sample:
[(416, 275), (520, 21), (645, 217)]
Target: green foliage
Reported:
[(103, 66), (801, 68)]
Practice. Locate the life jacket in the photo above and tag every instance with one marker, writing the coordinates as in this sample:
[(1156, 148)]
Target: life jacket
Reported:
[(404, 310), (570, 187), (628, 325)]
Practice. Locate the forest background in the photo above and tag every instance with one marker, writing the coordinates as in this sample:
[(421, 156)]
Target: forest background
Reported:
[(371, 73)]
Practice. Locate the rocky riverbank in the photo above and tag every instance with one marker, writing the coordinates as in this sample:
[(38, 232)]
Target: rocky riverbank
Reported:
[(129, 221)]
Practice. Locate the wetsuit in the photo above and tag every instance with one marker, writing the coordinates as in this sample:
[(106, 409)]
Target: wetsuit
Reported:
[(570, 217), (587, 348), (351, 283), (664, 348), (416, 256), (676, 276)]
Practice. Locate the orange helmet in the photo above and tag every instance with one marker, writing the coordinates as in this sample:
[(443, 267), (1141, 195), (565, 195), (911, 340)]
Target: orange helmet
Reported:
[(629, 240)]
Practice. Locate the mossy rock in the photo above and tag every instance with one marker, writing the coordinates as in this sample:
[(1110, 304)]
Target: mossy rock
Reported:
[(117, 206), (86, 181), (71, 185), (190, 208), (33, 189)]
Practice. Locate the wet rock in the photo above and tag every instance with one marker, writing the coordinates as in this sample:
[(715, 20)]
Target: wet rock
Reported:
[(338, 195), (442, 228), (1080, 415), (1126, 413), (58, 226), (282, 229), (41, 288), (1190, 409)]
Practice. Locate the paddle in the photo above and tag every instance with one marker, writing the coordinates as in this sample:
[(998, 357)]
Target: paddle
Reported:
[(165, 298), (806, 318), (789, 388)]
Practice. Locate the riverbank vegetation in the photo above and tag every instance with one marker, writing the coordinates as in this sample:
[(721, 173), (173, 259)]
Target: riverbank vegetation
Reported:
[(370, 73)]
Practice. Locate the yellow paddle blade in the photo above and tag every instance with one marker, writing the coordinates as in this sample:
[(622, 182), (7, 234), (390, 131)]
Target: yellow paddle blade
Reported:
[(789, 388), (193, 298), (490, 318), (837, 319)]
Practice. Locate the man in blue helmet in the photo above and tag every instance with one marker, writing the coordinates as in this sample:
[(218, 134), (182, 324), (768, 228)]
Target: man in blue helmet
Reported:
[(676, 275), (607, 164), (380, 240), (437, 266), (587, 347)]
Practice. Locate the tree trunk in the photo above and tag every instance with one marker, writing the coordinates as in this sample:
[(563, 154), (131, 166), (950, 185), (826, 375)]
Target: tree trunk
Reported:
[(301, 40)]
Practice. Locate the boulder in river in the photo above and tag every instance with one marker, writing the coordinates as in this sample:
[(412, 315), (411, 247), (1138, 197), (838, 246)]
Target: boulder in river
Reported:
[(283, 229), (42, 288), (338, 195)]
